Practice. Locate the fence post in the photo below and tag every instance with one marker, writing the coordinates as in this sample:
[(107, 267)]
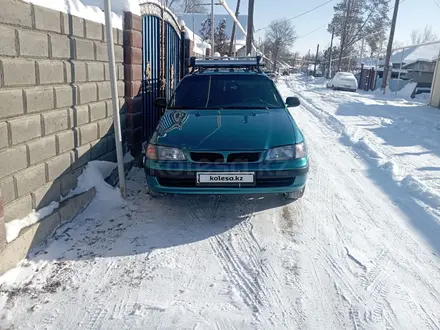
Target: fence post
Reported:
[(361, 77), (185, 54)]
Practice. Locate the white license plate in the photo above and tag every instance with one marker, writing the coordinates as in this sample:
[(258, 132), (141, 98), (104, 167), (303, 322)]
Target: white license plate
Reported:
[(225, 177)]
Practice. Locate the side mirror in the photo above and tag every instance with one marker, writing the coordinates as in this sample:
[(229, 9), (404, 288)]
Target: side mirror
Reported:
[(292, 101), (160, 102)]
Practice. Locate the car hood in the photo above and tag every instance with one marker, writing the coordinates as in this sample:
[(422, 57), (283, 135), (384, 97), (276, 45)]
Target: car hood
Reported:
[(227, 129)]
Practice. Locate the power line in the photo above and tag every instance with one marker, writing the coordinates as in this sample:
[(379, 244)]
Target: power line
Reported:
[(307, 34), (436, 3), (302, 14)]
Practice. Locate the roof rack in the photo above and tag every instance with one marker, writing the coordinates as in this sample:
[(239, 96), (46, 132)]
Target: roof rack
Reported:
[(243, 62)]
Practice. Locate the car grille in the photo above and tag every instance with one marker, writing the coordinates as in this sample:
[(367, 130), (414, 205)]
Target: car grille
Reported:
[(211, 157), (188, 180), (207, 157), (246, 157)]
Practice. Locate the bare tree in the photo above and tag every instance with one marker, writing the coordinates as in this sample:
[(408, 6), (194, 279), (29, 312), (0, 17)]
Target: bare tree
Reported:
[(280, 36), (185, 6), (168, 3), (418, 37), (193, 6)]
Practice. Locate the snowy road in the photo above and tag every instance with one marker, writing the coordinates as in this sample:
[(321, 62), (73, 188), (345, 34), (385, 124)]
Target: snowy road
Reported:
[(357, 252)]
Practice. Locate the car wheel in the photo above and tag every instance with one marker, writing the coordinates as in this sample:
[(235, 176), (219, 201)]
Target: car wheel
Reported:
[(293, 196)]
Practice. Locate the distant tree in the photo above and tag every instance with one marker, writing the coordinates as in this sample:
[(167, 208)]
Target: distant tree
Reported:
[(290, 58), (205, 30), (418, 37), (221, 39), (169, 3), (280, 36), (193, 6), (185, 6), (354, 20)]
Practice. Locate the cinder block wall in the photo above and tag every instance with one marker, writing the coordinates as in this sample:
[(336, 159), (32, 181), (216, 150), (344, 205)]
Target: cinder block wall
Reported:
[(55, 104)]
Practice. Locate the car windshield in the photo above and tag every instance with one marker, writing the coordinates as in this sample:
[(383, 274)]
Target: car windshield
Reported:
[(226, 91)]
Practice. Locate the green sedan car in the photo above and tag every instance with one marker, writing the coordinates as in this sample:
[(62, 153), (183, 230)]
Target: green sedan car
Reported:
[(226, 130)]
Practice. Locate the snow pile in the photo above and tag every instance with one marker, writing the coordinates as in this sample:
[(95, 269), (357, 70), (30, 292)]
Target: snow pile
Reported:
[(93, 177), (21, 275), (424, 193), (423, 97), (14, 227), (393, 169), (92, 10), (386, 130), (366, 146)]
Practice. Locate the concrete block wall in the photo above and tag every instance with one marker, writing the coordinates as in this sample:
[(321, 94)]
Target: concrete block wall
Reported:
[(55, 104), (133, 78)]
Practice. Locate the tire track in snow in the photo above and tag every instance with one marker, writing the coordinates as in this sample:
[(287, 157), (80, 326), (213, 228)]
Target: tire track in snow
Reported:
[(239, 253), (376, 288)]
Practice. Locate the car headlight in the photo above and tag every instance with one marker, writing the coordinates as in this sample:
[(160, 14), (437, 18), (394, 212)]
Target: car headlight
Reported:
[(295, 151), (154, 152)]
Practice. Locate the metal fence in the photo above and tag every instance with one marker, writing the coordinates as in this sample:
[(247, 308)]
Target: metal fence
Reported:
[(161, 64)]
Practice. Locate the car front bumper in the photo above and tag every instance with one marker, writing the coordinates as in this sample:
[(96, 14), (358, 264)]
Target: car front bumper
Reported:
[(271, 178)]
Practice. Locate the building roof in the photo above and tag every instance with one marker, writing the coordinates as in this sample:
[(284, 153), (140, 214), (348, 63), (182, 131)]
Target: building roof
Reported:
[(416, 53)]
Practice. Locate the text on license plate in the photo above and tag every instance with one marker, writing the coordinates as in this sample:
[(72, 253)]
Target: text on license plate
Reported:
[(225, 177)]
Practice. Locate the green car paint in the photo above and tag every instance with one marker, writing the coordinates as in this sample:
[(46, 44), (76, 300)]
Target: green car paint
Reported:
[(225, 131), (230, 129)]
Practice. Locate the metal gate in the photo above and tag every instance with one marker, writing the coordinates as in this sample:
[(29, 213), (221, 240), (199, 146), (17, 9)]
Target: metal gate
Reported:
[(161, 60)]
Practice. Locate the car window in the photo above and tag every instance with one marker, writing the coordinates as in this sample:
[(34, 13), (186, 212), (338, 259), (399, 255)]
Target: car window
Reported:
[(226, 91)]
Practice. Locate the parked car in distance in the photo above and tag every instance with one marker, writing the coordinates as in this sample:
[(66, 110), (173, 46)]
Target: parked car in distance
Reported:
[(226, 130), (345, 81)]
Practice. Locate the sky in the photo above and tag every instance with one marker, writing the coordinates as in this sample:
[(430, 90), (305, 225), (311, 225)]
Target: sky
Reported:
[(413, 15)]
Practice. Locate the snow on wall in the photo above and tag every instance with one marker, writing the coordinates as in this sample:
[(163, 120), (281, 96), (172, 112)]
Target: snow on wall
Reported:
[(93, 176), (92, 10)]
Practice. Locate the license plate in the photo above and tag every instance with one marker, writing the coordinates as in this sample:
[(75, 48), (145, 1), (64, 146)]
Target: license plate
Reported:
[(226, 178)]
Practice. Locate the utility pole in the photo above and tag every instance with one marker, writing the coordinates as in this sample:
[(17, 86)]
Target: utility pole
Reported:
[(316, 61), (250, 27), (386, 68), (114, 94), (212, 27), (234, 27), (344, 32), (330, 55)]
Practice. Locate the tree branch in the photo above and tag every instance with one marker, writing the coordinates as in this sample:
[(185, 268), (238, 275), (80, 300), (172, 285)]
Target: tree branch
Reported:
[(353, 40)]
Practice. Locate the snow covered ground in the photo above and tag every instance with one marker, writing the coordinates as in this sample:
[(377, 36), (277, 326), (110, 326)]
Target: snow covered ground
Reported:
[(400, 136), (359, 251)]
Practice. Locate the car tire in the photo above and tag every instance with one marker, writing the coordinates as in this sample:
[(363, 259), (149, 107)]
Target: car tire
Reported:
[(293, 196)]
